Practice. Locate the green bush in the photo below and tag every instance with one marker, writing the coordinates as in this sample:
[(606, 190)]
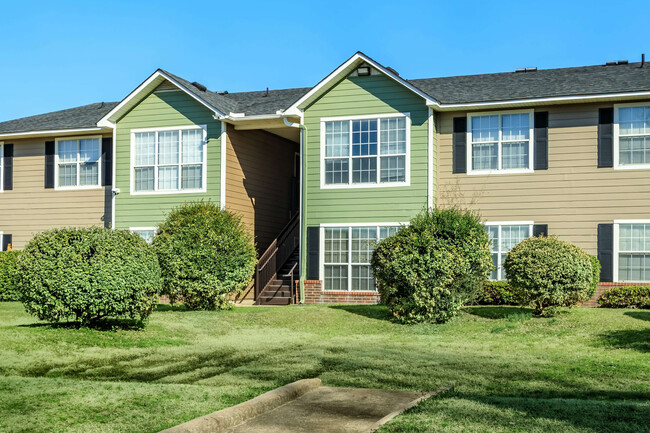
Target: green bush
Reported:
[(85, 274), (8, 290), (429, 269), (545, 272), (626, 297), (205, 254), (496, 293), (595, 276)]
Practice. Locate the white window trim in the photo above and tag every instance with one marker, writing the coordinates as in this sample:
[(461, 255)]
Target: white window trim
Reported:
[(1, 241), (530, 225), (180, 191), (2, 170), (616, 248), (531, 141), (100, 162), (143, 229), (321, 250), (350, 185), (616, 132)]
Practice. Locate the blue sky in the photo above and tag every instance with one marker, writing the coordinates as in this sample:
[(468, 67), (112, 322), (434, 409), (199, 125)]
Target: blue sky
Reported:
[(56, 55)]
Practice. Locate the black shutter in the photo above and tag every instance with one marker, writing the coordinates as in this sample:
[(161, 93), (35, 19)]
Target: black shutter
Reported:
[(541, 141), (460, 145), (8, 161), (6, 241), (49, 164), (107, 158), (606, 251), (606, 137), (540, 229), (313, 256)]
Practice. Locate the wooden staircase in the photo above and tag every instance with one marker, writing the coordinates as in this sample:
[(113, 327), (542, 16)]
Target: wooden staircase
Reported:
[(277, 269), (281, 290)]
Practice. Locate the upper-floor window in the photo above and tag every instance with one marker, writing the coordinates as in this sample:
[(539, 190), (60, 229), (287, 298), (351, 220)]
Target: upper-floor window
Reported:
[(633, 136), (503, 237), (168, 160), (365, 151), (78, 162), (2, 166), (500, 143)]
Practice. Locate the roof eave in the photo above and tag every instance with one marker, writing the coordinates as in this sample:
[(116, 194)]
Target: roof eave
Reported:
[(52, 132)]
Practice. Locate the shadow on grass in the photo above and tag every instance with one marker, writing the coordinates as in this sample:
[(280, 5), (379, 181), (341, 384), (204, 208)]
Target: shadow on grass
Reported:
[(170, 307), (498, 312), (108, 324), (641, 315), (636, 339), (377, 312)]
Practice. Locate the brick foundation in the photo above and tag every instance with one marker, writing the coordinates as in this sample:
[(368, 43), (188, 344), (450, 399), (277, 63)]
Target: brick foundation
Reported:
[(593, 301), (314, 294)]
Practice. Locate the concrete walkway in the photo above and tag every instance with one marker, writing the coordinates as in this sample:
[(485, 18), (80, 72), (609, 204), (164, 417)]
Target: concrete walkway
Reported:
[(331, 410)]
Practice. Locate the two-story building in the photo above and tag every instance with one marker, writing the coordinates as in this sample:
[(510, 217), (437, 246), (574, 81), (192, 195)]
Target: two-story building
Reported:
[(320, 173)]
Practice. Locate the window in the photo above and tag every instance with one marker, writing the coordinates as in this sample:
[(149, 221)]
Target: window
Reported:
[(2, 167), (633, 242), (346, 256), (168, 160), (146, 233), (78, 162), (362, 152), (632, 124), (503, 237), (500, 143)]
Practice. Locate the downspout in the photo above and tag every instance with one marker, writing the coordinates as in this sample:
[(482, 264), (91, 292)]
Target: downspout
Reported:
[(303, 165)]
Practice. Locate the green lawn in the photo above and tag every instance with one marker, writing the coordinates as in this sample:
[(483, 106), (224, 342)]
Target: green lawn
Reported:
[(587, 370)]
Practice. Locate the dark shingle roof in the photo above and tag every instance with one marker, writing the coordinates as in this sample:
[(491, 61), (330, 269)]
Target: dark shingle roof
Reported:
[(253, 103), (72, 118), (544, 83)]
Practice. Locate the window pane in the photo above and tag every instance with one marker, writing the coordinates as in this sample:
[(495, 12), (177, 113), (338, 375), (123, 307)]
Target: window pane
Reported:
[(634, 150), (89, 174), (168, 147), (364, 137), (89, 150), (634, 120), (336, 245), (337, 139), (493, 236), (514, 155), (386, 231), (393, 136), (167, 178), (147, 235), (193, 146), (67, 151), (364, 170), (494, 274), (192, 177), (634, 237), (515, 127), (393, 169), (144, 148), (336, 277), (485, 128), (336, 171), (67, 174), (362, 237), (362, 278), (144, 178), (634, 267), (484, 156), (512, 235)]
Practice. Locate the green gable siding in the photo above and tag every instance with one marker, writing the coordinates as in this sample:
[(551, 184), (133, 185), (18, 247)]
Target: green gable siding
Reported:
[(162, 109), (354, 96)]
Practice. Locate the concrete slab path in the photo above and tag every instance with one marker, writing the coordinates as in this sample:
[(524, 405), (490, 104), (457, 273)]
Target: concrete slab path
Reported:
[(333, 410)]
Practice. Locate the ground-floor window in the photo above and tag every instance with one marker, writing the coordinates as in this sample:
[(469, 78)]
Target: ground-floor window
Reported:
[(504, 236), (346, 255), (634, 251), (146, 233)]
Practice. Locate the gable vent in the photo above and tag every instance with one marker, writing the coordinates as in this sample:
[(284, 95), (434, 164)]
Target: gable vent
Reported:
[(199, 86)]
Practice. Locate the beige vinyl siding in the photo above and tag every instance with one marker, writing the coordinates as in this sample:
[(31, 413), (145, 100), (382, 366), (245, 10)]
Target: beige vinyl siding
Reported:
[(259, 169), (573, 196), (29, 208)]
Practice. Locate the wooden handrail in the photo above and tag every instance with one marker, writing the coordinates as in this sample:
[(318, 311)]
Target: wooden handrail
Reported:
[(276, 255)]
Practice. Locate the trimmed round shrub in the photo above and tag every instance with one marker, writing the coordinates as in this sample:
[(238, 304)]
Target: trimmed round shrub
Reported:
[(206, 254), (429, 269), (545, 273), (86, 274), (626, 297), (8, 282)]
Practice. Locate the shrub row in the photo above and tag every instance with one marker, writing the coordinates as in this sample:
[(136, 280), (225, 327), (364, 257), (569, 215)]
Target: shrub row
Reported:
[(626, 297), (8, 276), (496, 293)]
